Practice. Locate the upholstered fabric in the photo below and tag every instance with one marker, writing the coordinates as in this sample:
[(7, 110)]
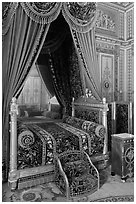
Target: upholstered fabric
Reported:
[(75, 173), (85, 125), (30, 148)]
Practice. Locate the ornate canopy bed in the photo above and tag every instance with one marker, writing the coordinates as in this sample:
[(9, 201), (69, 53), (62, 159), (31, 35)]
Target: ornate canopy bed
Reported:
[(38, 150), (34, 146)]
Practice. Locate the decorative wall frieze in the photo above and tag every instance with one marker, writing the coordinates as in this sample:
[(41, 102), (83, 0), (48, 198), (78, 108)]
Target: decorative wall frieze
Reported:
[(105, 48), (102, 39), (123, 6), (104, 21)]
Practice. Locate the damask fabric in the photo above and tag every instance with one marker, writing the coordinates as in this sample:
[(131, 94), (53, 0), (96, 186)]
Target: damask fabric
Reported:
[(30, 148), (82, 176), (96, 132), (55, 138)]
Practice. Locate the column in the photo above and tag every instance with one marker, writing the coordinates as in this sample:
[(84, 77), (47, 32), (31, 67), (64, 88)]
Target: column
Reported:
[(104, 122), (13, 144)]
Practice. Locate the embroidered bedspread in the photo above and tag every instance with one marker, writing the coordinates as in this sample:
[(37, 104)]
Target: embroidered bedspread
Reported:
[(57, 138)]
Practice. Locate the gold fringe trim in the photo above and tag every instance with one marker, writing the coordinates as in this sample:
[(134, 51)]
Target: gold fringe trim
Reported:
[(39, 17), (73, 22)]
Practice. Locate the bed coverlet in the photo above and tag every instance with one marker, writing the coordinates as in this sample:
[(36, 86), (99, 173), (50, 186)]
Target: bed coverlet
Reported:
[(58, 138)]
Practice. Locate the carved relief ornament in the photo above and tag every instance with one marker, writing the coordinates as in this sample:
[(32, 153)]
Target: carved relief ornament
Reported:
[(104, 21)]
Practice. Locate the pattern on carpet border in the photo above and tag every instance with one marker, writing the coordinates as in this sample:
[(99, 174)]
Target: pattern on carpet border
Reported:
[(121, 198), (50, 192)]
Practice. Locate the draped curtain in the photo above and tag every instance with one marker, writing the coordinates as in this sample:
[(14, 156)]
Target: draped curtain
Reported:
[(54, 39), (76, 74), (81, 18), (45, 74), (60, 71), (24, 28), (24, 31), (91, 71)]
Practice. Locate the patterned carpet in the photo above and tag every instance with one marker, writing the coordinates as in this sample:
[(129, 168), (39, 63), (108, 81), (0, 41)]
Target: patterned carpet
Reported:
[(111, 190), (50, 193), (125, 198)]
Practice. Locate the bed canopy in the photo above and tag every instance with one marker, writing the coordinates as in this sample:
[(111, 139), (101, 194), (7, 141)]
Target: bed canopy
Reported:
[(69, 53)]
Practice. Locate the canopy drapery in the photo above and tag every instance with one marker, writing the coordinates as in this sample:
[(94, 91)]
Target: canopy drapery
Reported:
[(81, 17), (87, 50), (24, 28)]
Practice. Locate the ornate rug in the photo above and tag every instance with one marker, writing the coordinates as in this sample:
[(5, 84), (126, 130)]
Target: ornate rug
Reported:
[(122, 192), (50, 193), (122, 198)]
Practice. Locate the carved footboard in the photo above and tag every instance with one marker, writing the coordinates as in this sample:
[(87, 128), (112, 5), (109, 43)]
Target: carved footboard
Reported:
[(32, 156)]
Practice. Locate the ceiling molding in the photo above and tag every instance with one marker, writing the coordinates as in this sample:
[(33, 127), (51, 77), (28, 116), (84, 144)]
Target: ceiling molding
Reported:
[(123, 6)]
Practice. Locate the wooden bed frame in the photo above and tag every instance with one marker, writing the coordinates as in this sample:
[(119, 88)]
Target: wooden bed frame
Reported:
[(44, 173)]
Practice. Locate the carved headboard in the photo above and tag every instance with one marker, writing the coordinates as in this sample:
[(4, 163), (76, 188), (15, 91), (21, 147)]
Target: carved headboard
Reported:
[(90, 109)]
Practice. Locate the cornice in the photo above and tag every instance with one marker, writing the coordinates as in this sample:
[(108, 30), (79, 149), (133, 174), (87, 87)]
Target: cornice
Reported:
[(112, 41), (117, 5)]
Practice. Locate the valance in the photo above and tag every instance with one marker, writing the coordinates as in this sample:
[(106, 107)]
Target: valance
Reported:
[(81, 16), (42, 12)]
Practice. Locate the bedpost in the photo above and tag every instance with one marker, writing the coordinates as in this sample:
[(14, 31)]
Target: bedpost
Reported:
[(113, 117), (130, 117), (13, 144), (73, 108), (104, 122)]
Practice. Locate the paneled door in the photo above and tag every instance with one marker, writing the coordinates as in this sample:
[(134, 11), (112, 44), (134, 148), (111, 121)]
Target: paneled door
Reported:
[(107, 76)]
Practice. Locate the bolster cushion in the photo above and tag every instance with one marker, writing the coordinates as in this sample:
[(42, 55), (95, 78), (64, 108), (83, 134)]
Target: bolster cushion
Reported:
[(87, 126)]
